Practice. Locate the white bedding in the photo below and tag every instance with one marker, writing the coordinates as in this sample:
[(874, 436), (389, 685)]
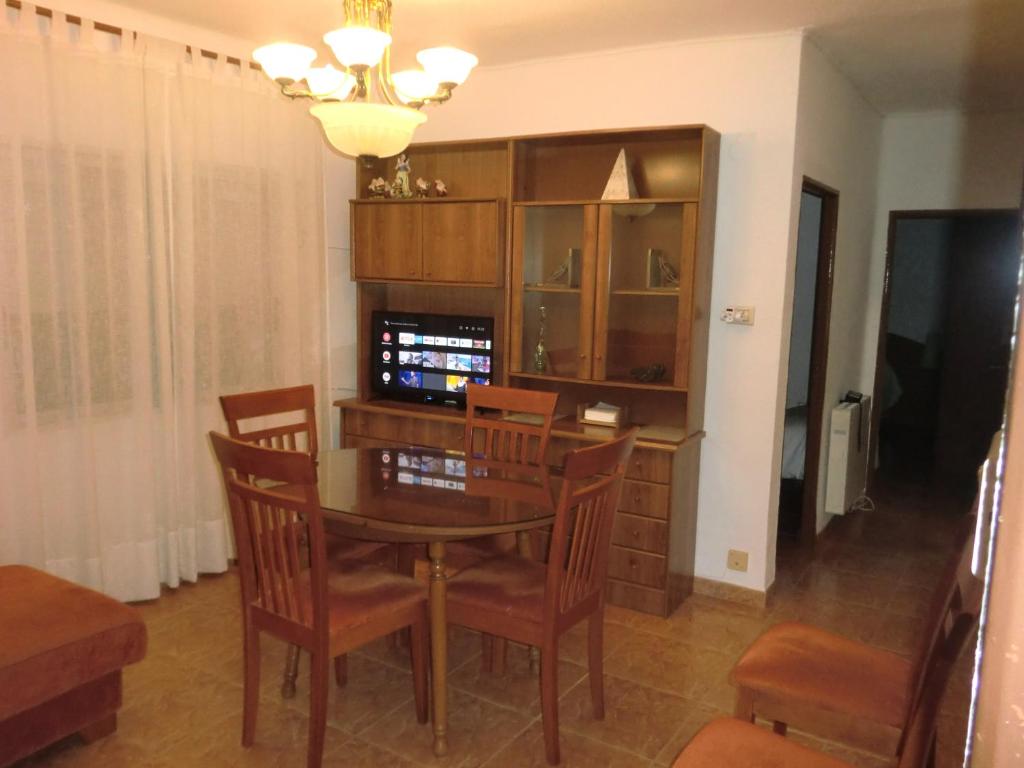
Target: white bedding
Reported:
[(794, 442)]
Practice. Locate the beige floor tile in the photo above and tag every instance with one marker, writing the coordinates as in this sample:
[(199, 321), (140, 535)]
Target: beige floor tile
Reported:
[(637, 719), (527, 751), (477, 729), (519, 686), (573, 644), (668, 665), (696, 718)]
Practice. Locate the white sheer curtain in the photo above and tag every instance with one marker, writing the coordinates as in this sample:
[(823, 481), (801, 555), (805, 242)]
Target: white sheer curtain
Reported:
[(161, 243)]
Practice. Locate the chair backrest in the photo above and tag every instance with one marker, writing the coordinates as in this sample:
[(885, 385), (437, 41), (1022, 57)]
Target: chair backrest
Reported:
[(581, 535), (498, 439), (294, 436), (270, 530)]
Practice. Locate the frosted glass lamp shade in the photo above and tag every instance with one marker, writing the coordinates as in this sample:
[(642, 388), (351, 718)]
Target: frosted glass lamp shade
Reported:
[(447, 65), (358, 46), (327, 82), (361, 129), (284, 61), (413, 85)]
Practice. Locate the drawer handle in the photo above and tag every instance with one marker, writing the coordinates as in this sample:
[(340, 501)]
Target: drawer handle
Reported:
[(637, 498), (632, 564), (636, 534)]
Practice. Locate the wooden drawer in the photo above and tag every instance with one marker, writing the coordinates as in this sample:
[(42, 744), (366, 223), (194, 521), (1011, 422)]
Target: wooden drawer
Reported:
[(636, 598), (650, 465), (355, 441), (401, 430), (637, 567), (640, 533), (645, 499)]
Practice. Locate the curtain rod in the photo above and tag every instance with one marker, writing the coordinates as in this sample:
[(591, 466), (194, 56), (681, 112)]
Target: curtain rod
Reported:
[(48, 13)]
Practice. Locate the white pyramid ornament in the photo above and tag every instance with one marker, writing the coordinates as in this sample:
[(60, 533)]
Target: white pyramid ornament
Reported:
[(620, 184)]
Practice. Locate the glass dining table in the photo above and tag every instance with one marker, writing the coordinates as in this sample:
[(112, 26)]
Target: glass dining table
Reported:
[(431, 496)]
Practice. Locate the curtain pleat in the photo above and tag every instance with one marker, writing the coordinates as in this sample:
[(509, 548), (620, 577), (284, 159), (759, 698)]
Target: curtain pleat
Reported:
[(161, 244)]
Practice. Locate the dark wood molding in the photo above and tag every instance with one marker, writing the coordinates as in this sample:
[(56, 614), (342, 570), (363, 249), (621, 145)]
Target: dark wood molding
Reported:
[(819, 354)]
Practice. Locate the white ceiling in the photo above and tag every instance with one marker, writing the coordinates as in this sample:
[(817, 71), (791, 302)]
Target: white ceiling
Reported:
[(903, 55)]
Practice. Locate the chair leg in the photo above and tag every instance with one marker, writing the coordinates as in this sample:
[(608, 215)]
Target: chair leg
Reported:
[(779, 727), (318, 674), (930, 762), (486, 652), (744, 705), (251, 685), (418, 646), (341, 670), (291, 673), (595, 661), (499, 655), (549, 700)]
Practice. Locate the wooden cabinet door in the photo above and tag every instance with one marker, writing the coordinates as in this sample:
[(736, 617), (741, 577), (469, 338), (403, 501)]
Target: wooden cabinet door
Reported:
[(460, 242), (387, 241)]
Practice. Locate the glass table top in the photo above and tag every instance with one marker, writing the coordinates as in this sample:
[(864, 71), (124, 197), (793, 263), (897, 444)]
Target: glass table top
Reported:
[(415, 494)]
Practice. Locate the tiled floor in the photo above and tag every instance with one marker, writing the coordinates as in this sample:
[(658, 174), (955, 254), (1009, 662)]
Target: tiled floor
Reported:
[(664, 677)]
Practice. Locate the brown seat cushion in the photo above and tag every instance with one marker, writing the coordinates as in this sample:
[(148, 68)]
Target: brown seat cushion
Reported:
[(729, 743), (55, 636), (798, 662), (358, 593), (340, 548), (507, 584)]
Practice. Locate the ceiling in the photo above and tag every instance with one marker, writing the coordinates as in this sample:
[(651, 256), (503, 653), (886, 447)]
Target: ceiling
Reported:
[(903, 55)]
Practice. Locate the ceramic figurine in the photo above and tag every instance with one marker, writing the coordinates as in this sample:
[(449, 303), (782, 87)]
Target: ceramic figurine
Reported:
[(378, 187), (440, 190), (422, 187), (669, 275), (401, 186), (540, 353)]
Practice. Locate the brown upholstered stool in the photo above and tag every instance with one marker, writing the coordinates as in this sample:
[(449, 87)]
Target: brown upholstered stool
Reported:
[(62, 648), (730, 743)]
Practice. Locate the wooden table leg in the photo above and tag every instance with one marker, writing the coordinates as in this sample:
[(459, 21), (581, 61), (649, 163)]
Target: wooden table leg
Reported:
[(439, 646)]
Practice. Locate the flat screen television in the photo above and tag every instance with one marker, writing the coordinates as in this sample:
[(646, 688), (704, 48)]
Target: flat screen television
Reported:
[(429, 358)]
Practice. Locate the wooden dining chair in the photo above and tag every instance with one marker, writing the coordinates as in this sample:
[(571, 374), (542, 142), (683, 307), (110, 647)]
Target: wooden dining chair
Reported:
[(795, 673), (296, 408), (734, 743), (526, 601), (288, 590)]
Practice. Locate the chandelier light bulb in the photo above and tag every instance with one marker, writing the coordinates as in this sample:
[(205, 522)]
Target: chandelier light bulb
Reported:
[(413, 85), (284, 62), (358, 46), (323, 81), (449, 66)]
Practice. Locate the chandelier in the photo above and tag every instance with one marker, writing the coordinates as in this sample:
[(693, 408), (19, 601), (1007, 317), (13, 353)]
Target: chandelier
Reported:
[(366, 110)]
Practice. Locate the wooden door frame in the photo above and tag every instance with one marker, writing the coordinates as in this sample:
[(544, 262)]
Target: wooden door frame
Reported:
[(883, 318), (819, 353)]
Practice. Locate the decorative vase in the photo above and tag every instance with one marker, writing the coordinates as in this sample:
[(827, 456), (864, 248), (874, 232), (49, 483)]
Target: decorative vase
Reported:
[(540, 353)]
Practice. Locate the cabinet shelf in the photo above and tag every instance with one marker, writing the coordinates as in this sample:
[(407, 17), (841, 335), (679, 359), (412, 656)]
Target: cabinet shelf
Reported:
[(646, 292), (537, 288), (635, 201), (615, 383)]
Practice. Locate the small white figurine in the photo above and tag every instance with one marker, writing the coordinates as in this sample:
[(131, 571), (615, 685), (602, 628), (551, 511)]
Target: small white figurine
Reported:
[(440, 190), (378, 187), (422, 187)]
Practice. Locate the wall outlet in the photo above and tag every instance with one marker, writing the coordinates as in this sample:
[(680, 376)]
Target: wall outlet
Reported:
[(736, 560), (738, 315)]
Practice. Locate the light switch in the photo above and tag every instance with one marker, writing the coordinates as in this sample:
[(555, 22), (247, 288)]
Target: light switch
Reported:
[(736, 315)]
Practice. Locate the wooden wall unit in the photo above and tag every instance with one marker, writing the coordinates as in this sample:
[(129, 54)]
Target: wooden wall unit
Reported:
[(516, 208)]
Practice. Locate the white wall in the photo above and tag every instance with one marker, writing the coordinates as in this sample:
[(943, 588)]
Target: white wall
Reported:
[(941, 161), (747, 90), (838, 140)]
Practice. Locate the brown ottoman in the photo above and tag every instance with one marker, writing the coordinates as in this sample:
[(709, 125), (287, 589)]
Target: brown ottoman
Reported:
[(62, 648)]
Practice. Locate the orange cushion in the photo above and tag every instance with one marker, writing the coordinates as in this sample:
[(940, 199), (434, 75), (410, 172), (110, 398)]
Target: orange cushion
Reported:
[(359, 593), (56, 636), (729, 743), (798, 662), (507, 584), (340, 548)]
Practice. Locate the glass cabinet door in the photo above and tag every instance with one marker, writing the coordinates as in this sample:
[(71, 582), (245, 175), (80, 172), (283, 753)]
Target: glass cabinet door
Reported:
[(643, 293), (553, 289)]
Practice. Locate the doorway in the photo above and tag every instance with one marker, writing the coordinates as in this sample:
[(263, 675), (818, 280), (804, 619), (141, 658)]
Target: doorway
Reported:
[(943, 347), (808, 360)]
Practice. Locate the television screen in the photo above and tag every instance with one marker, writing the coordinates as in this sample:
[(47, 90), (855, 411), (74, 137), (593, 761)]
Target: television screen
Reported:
[(431, 358)]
